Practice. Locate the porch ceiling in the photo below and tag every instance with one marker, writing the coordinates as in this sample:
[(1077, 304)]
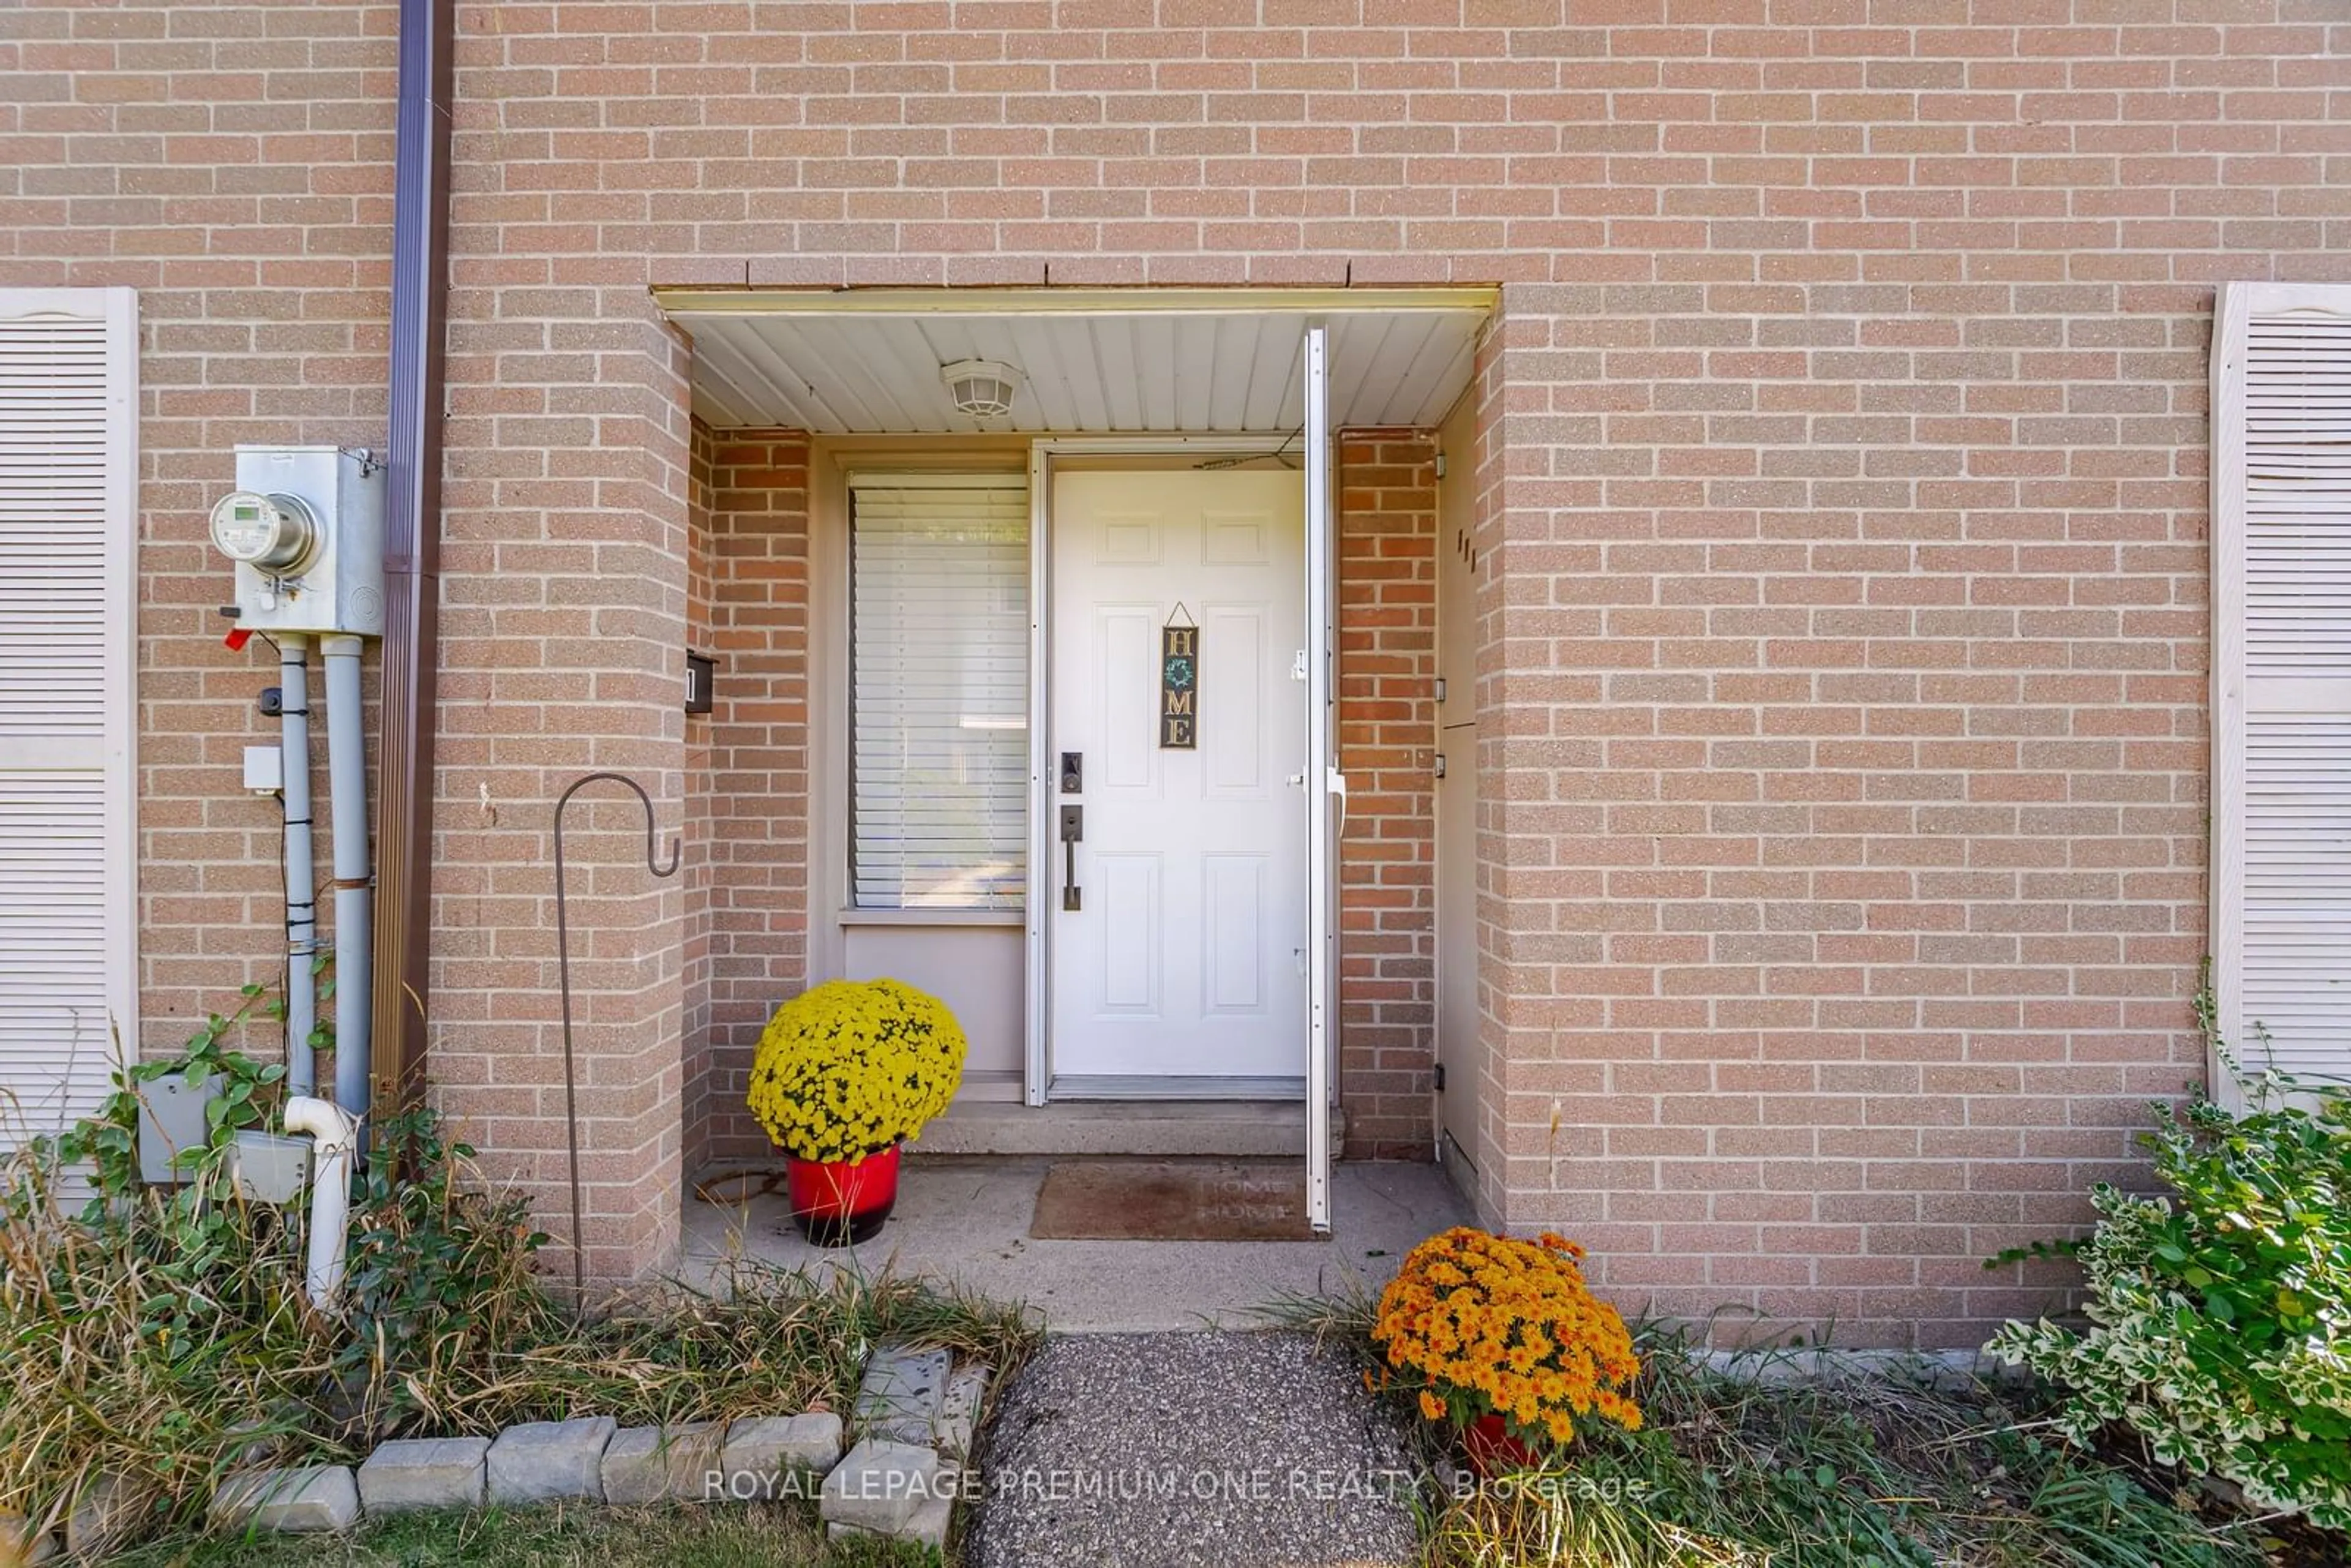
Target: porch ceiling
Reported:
[(1113, 361)]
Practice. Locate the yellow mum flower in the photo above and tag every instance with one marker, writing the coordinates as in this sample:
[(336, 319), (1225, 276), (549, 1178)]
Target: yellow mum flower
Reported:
[(849, 1068)]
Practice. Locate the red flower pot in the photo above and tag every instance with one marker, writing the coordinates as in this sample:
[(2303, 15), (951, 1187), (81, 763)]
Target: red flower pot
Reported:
[(838, 1203), (1494, 1450)]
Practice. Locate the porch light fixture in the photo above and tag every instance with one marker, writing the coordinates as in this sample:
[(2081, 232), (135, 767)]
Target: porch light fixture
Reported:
[(981, 388)]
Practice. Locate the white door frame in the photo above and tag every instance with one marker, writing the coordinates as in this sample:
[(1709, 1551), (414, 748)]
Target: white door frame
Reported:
[(1326, 787), (1038, 1062)]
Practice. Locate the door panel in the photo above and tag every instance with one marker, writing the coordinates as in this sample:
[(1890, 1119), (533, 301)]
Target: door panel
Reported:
[(1184, 956), (1128, 886), (1233, 936), (1235, 650), (1127, 661)]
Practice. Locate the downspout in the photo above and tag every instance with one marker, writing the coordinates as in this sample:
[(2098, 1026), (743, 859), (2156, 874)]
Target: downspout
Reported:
[(411, 548)]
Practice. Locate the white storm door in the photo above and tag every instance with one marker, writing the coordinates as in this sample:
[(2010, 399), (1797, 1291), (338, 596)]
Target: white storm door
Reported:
[(1185, 956), (1325, 788)]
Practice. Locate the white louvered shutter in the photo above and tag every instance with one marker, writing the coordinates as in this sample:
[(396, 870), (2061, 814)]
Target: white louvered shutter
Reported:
[(2282, 676), (939, 690), (68, 468)]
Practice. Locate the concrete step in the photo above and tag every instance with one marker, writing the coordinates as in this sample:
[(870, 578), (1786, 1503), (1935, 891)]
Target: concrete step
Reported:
[(1233, 1129)]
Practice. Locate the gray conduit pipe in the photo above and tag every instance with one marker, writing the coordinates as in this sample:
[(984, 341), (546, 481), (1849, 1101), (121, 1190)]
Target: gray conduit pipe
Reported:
[(301, 873), (354, 938)]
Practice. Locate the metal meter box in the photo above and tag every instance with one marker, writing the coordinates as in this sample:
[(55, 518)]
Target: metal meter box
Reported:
[(172, 1120), (334, 581), (269, 1167)]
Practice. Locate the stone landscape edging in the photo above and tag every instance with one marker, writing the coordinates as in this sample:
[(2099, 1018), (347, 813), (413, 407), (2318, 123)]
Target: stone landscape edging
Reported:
[(917, 1416)]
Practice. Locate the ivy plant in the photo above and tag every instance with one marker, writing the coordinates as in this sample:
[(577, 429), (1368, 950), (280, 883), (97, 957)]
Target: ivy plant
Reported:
[(250, 1093)]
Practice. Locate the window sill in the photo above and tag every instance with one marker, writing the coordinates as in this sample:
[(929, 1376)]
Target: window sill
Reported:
[(1012, 919)]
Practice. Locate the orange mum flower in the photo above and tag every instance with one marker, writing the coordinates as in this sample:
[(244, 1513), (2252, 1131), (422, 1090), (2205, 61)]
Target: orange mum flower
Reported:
[(1510, 1326)]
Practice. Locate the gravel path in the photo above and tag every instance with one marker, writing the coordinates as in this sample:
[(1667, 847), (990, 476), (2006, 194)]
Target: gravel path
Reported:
[(1191, 1450)]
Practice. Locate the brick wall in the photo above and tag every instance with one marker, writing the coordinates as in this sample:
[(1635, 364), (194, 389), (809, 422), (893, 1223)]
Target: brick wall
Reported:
[(233, 164), (755, 803), (1843, 845), (1387, 740), (1853, 837), (564, 621)]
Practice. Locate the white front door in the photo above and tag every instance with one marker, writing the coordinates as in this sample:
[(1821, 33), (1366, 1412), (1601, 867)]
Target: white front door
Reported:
[(1176, 920)]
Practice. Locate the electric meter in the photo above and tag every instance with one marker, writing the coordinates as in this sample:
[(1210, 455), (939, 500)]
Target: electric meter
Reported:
[(269, 533), (305, 529)]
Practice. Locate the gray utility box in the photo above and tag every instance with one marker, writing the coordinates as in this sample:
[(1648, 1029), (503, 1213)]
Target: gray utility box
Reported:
[(269, 1167), (338, 585), (171, 1120)]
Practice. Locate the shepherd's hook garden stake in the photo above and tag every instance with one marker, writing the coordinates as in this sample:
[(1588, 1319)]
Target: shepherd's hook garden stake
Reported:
[(563, 973)]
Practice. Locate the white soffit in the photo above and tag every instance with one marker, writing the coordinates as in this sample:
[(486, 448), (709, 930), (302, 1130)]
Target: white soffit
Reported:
[(1108, 361)]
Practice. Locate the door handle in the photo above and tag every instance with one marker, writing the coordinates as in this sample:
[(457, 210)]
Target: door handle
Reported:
[(1074, 828)]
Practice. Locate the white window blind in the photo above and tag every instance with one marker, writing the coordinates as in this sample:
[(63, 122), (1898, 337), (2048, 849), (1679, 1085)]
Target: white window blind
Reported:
[(2282, 676), (68, 468), (938, 690)]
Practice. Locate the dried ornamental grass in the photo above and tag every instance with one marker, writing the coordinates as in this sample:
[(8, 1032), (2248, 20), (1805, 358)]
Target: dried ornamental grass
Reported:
[(131, 1354), (1494, 1324)]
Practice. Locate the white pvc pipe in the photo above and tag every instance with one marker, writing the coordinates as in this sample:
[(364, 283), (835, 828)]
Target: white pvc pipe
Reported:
[(332, 1132), (301, 873), (354, 938)]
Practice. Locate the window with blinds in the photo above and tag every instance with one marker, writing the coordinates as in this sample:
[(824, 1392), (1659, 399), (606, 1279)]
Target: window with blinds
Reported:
[(2282, 676), (938, 690)]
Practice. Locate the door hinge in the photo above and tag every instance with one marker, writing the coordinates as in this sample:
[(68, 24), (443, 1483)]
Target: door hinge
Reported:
[(1440, 764), (1440, 1077)]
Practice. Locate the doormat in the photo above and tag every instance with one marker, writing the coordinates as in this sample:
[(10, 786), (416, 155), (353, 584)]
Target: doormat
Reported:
[(1172, 1200)]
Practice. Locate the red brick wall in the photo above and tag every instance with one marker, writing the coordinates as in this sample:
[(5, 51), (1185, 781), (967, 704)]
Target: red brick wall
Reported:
[(754, 800), (699, 808), (1388, 741)]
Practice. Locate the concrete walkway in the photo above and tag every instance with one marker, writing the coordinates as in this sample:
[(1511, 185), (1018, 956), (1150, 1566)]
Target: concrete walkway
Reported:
[(966, 1218), (1192, 1450)]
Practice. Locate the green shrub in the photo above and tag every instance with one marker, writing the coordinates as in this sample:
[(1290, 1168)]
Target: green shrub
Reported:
[(2219, 1316)]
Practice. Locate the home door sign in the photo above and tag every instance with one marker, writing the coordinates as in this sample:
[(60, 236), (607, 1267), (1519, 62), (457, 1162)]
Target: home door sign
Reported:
[(1179, 683)]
